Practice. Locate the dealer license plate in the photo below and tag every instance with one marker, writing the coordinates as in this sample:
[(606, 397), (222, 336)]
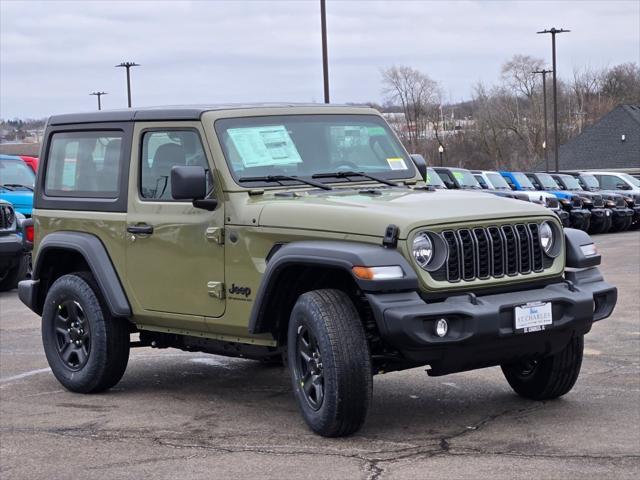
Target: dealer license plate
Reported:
[(533, 317)]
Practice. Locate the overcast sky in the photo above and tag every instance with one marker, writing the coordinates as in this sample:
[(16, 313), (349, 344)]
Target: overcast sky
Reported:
[(53, 54)]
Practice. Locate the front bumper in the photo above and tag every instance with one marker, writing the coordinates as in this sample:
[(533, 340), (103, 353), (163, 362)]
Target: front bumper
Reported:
[(601, 218), (622, 217), (564, 217), (482, 329), (11, 250), (580, 218)]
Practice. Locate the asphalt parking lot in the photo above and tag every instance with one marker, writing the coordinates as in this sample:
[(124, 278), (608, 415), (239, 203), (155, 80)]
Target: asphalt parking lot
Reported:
[(180, 415)]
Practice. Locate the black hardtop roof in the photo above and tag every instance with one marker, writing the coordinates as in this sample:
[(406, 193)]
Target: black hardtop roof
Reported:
[(175, 112)]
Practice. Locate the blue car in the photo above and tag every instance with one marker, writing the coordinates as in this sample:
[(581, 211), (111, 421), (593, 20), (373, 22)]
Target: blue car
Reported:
[(16, 184), (579, 217)]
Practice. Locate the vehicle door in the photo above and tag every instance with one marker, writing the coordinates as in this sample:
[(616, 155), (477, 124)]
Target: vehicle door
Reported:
[(175, 256)]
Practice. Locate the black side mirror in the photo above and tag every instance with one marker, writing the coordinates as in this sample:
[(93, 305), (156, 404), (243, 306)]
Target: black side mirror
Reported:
[(622, 186), (190, 183), (421, 165)]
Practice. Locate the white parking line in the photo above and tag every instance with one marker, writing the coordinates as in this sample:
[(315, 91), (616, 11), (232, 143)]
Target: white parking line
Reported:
[(24, 375)]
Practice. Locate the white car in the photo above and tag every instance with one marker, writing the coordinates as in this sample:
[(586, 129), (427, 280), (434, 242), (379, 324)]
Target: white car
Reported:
[(496, 181), (617, 181)]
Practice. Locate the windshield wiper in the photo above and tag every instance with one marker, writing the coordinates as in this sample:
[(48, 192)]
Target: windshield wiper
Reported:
[(281, 178), (348, 174), (16, 185)]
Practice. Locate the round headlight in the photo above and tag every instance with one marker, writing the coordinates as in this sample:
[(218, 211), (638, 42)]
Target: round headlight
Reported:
[(422, 249), (546, 237)]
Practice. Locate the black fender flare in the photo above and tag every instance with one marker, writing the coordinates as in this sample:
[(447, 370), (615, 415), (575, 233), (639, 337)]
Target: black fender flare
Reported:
[(95, 254), (334, 254), (574, 239)]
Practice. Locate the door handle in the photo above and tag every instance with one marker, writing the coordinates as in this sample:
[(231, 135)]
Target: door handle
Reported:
[(140, 229)]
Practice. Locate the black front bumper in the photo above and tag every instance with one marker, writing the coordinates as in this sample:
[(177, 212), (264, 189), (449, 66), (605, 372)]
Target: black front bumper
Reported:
[(564, 217), (11, 250), (482, 329), (580, 218)]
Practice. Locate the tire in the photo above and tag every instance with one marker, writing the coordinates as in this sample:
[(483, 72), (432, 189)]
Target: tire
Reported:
[(98, 362), (550, 377), (18, 272), (326, 326)]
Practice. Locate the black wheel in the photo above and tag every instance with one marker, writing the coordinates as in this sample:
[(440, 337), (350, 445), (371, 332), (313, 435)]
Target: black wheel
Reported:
[(549, 377), (10, 278), (329, 362), (86, 348)]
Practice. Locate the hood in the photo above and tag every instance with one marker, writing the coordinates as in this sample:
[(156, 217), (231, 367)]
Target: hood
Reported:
[(21, 199), (369, 211)]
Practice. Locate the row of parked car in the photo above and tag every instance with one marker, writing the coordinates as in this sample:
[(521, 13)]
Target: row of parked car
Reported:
[(596, 202), (17, 180)]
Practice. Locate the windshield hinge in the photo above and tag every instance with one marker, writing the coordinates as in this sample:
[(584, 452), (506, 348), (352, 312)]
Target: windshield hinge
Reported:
[(390, 239), (215, 234), (216, 289)]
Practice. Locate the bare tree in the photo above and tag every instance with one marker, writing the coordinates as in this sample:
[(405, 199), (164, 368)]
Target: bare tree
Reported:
[(416, 93)]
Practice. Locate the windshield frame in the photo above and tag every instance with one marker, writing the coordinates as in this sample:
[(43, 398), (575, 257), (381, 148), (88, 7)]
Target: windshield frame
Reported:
[(21, 164), (220, 125), (589, 180)]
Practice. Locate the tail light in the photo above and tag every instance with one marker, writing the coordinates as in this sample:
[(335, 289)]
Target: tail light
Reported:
[(29, 233)]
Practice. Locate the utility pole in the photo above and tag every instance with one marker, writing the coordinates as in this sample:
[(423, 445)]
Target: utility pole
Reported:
[(325, 59), (98, 94), (553, 31), (544, 72), (128, 66)]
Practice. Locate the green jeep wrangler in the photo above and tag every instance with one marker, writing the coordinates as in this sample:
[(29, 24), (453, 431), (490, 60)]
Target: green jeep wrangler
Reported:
[(303, 233)]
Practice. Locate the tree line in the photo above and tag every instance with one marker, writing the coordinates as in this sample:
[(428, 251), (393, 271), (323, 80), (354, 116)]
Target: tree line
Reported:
[(502, 126)]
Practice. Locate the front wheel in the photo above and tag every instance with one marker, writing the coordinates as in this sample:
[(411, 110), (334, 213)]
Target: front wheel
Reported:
[(86, 348), (329, 362), (549, 377)]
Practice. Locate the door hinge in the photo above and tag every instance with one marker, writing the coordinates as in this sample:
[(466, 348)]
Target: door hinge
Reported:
[(215, 234), (216, 289)]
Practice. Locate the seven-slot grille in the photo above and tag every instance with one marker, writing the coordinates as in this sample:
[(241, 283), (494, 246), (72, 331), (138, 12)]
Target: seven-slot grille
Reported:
[(598, 201), (6, 217), (576, 202), (494, 251)]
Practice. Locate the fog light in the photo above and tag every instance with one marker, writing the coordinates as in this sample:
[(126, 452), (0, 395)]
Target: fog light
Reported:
[(441, 327)]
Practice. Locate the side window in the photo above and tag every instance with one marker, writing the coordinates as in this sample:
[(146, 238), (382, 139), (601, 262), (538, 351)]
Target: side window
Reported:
[(84, 164), (162, 150), (608, 182)]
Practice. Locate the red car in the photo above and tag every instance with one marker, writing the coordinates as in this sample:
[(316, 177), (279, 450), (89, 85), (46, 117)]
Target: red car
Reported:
[(32, 162)]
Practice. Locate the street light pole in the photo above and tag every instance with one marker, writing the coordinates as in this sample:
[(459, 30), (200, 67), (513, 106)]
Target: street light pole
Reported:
[(325, 59), (441, 151), (553, 31), (98, 94), (128, 66), (544, 100)]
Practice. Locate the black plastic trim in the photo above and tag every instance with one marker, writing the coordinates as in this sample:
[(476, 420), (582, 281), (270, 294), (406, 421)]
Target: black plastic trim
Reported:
[(96, 256), (335, 254), (574, 239)]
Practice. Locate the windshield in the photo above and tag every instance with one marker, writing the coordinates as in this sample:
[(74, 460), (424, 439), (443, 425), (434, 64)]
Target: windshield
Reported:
[(434, 179), (571, 182), (305, 145), (498, 181), (547, 181), (632, 180), (524, 181), (590, 181), (16, 174), (466, 179)]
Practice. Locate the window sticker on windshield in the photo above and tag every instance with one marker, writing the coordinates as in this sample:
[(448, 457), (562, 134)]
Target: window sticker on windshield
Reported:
[(396, 163), (458, 175), (264, 146), (428, 178)]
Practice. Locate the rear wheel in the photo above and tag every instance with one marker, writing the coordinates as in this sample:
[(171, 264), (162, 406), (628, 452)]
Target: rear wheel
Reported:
[(86, 348), (329, 362), (548, 377)]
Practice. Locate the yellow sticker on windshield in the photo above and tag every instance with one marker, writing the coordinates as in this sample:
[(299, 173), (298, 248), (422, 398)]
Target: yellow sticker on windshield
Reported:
[(396, 163)]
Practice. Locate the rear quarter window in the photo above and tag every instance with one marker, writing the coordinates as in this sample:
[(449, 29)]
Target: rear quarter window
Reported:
[(84, 164)]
